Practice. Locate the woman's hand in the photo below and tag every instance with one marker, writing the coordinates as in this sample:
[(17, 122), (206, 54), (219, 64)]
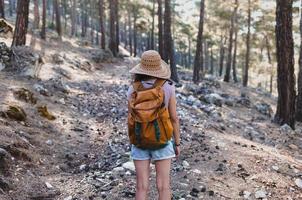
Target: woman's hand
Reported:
[(177, 151)]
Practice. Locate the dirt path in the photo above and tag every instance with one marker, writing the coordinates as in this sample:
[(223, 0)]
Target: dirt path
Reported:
[(229, 151)]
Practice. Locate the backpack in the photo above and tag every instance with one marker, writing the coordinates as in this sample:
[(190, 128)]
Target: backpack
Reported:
[(149, 124)]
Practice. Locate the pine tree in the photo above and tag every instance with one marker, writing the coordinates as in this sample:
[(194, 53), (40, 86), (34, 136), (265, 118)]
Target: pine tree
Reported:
[(43, 29), (169, 45), (102, 24), (247, 57), (285, 57), (2, 13), (198, 62), (21, 24), (58, 17), (160, 29), (299, 97), (36, 14)]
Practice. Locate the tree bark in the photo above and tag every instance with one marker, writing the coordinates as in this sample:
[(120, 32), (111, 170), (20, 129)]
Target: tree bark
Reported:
[(299, 97), (235, 45), (222, 50), (21, 24), (247, 57), (230, 48), (189, 53), (130, 33), (2, 13), (58, 17), (212, 62), (36, 14), (269, 62), (206, 57), (198, 62), (169, 44), (117, 25), (285, 113), (102, 24), (160, 30), (12, 7), (113, 42), (43, 29), (153, 25), (73, 17)]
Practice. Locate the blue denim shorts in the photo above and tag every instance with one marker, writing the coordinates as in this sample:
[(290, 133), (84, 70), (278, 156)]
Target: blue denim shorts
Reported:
[(159, 154)]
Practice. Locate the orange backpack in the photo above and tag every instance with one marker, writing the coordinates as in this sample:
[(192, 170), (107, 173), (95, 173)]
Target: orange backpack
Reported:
[(149, 124)]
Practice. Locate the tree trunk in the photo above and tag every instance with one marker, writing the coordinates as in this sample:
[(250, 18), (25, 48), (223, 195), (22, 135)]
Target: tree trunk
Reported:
[(113, 42), (160, 30), (206, 57), (43, 29), (212, 62), (153, 25), (229, 61), (285, 113), (299, 97), (189, 53), (198, 62), (270, 63), (247, 57), (36, 14), (134, 37), (58, 17), (21, 23), (222, 50), (12, 7), (117, 25), (2, 13), (73, 17), (169, 44), (130, 33), (235, 46), (102, 24)]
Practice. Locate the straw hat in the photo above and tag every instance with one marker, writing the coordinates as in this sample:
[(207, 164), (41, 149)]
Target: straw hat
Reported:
[(151, 64)]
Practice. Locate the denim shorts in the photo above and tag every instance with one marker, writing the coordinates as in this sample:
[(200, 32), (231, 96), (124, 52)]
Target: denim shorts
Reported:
[(159, 154)]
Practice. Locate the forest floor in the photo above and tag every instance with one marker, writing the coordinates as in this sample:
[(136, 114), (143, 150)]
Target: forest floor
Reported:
[(230, 147)]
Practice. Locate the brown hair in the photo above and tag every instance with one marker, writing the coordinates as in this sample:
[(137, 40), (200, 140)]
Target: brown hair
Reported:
[(142, 77)]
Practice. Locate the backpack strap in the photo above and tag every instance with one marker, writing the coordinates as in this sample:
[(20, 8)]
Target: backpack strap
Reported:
[(159, 82), (137, 86)]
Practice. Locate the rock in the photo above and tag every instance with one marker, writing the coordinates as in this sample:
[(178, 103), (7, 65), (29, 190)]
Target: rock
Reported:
[(260, 194), (68, 198), (118, 169), (57, 58), (264, 108), (4, 185), (2, 66), (215, 99), (185, 164), (276, 168), (286, 129), (49, 142), (3, 153), (196, 171), (41, 89), (298, 182), (83, 167), (48, 185), (246, 194), (129, 165), (101, 55)]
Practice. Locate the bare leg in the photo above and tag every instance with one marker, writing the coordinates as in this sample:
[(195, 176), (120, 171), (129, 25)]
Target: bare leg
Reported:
[(163, 178), (142, 168)]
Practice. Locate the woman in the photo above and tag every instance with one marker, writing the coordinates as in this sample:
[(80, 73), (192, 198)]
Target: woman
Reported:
[(151, 69)]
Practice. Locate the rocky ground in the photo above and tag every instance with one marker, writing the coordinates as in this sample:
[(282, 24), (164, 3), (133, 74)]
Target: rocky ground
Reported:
[(63, 132)]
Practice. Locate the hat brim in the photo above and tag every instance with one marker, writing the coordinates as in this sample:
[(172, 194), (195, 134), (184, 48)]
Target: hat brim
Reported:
[(164, 72)]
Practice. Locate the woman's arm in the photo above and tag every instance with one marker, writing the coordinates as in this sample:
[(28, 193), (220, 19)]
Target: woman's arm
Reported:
[(174, 119)]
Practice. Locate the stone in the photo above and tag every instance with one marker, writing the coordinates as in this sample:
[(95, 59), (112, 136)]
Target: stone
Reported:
[(41, 89), (246, 194), (129, 165), (264, 109), (49, 142), (2, 67), (83, 167), (214, 98), (298, 182), (260, 194), (196, 171), (185, 164), (3, 153), (48, 185), (118, 169), (276, 168), (68, 198), (286, 129)]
